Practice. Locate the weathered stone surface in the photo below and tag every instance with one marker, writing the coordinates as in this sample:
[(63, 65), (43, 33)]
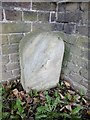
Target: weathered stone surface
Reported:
[(69, 28), (19, 27), (44, 17), (15, 38), (44, 6), (41, 57), (57, 27), (13, 15), (42, 26), (8, 49), (71, 6), (12, 66), (14, 57), (30, 16), (4, 39), (83, 30), (21, 4), (61, 7)]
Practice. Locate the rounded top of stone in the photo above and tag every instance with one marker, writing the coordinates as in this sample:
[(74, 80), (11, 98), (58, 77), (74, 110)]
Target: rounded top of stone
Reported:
[(31, 36), (41, 55)]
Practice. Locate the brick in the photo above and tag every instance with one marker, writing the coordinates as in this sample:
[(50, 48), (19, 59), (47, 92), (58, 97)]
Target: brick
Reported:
[(73, 67), (19, 27), (14, 57), (53, 6), (80, 52), (88, 45), (79, 61), (45, 6), (85, 54), (15, 38), (5, 50), (84, 82), (9, 4), (7, 75), (66, 17), (26, 5), (4, 69), (75, 16), (16, 72), (12, 66), (0, 40), (5, 40), (13, 15), (61, 17), (61, 7), (75, 50), (44, 17), (79, 87), (88, 18), (82, 41), (5, 59), (84, 73), (72, 6), (70, 39), (30, 16), (53, 17), (8, 49), (69, 28), (85, 17), (14, 48), (82, 29), (75, 77), (57, 26), (42, 26), (84, 6)]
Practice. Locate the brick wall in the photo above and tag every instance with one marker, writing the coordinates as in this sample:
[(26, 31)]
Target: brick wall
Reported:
[(20, 18)]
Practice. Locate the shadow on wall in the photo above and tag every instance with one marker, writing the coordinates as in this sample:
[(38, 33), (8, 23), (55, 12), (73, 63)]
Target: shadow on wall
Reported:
[(75, 61)]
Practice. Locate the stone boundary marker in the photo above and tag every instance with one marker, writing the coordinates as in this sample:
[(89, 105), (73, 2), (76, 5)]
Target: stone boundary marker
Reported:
[(41, 56), (20, 17)]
